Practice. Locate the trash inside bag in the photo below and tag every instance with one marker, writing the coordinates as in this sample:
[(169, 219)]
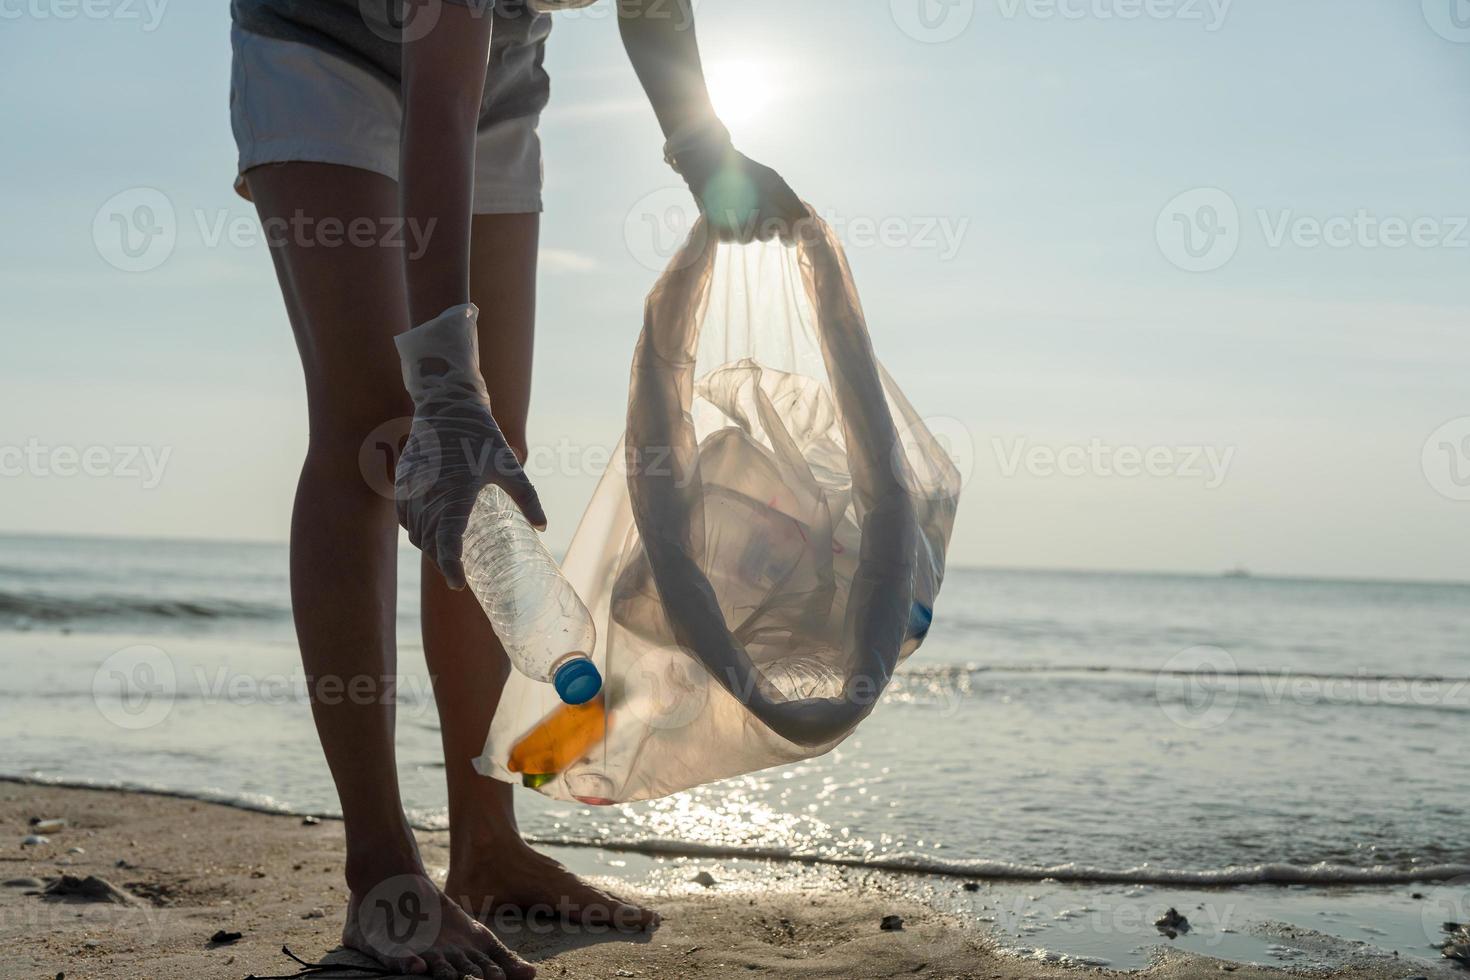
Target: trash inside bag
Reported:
[(768, 551)]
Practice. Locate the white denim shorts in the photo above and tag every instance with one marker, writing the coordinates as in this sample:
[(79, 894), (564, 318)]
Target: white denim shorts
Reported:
[(291, 102)]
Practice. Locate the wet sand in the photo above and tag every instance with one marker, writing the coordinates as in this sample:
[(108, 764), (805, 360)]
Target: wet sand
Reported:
[(191, 869)]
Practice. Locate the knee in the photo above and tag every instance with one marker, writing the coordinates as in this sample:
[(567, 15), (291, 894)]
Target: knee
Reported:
[(360, 440)]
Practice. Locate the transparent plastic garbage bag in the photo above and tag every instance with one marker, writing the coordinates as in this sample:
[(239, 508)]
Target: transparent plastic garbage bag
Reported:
[(768, 550)]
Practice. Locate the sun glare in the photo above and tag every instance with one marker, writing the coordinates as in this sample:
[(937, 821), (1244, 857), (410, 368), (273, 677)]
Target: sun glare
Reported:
[(742, 90)]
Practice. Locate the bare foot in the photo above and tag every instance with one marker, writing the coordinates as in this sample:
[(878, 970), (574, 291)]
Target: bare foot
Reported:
[(408, 925), (513, 880)]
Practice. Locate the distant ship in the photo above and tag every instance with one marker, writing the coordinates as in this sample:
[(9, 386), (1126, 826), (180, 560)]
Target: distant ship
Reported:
[(1239, 571)]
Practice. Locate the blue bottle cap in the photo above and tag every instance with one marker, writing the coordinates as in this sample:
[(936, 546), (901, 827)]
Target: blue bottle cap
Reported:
[(577, 681), (920, 618)]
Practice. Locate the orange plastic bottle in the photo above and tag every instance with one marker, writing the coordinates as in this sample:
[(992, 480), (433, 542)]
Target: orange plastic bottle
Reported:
[(558, 740)]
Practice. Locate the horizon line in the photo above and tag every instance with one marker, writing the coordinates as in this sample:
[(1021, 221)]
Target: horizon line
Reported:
[(1230, 574)]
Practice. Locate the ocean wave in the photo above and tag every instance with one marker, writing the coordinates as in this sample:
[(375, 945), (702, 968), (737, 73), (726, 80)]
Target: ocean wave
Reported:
[(1256, 874), (1269, 873), (942, 684), (36, 607), (942, 671)]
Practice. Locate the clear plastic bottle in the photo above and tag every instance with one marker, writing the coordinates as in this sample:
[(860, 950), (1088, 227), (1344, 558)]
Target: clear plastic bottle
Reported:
[(538, 616)]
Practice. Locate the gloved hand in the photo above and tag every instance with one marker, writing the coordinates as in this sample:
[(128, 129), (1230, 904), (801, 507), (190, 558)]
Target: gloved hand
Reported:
[(743, 200), (454, 447)]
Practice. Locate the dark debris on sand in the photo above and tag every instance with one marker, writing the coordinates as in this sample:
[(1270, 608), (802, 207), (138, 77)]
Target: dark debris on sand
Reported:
[(1457, 946), (1172, 924), (88, 889)]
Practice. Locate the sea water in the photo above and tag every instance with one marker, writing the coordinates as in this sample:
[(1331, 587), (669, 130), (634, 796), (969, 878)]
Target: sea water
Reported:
[(1113, 730)]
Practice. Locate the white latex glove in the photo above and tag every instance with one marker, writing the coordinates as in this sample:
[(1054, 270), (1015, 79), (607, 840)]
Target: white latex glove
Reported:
[(454, 447)]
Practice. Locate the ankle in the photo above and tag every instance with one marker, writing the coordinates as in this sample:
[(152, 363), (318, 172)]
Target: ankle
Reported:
[(483, 829), (488, 857), (370, 865)]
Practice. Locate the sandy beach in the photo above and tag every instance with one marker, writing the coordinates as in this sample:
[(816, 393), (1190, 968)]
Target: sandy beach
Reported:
[(186, 870)]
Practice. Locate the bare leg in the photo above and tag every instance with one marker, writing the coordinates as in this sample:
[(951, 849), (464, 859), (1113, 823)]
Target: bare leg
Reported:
[(344, 301), (490, 867)]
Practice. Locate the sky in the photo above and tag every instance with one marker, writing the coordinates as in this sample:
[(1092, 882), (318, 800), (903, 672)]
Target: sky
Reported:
[(1183, 283)]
